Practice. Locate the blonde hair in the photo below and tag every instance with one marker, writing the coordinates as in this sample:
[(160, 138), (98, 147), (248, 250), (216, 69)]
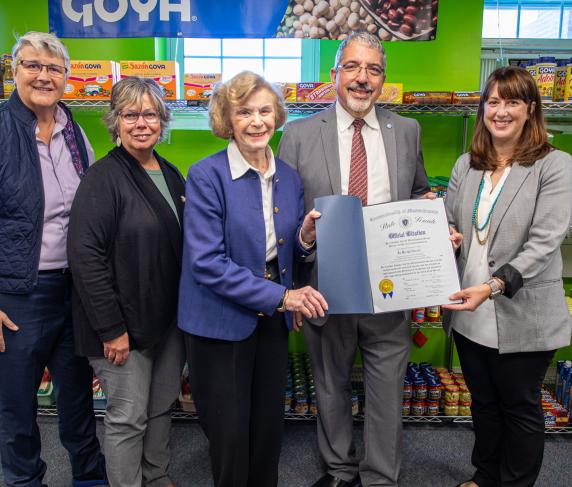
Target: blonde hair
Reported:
[(235, 92)]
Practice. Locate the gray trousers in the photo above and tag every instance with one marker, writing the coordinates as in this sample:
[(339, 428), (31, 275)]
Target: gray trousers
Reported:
[(384, 342), (137, 422)]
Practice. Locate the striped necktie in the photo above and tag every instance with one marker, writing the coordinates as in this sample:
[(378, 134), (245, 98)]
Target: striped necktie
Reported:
[(358, 164)]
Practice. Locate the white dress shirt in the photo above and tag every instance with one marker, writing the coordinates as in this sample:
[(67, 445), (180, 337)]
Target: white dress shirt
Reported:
[(378, 189), (238, 167), (480, 326)]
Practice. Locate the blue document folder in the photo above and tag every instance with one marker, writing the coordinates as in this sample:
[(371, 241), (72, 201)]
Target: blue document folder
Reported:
[(343, 275)]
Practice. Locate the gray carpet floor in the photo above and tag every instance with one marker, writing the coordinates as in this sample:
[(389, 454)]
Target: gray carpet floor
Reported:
[(433, 456)]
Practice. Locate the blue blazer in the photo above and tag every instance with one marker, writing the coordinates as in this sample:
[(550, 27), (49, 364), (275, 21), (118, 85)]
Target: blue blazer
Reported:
[(224, 256)]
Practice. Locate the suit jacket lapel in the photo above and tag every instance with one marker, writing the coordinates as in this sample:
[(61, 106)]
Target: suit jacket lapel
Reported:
[(512, 184), (469, 188), (388, 134), (329, 134)]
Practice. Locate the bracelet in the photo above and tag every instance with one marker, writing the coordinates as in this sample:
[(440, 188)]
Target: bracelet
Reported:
[(282, 304)]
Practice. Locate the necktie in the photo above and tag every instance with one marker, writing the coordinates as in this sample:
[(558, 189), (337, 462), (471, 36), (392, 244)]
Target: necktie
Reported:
[(358, 164)]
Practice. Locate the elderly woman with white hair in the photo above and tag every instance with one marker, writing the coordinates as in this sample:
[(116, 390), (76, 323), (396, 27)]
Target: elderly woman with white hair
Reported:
[(125, 245), (244, 230), (43, 156)]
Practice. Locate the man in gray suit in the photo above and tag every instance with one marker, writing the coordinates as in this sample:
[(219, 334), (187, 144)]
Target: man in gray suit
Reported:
[(357, 148)]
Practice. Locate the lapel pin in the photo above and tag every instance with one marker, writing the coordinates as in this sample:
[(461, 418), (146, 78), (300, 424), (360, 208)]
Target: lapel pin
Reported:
[(183, 199), (389, 126)]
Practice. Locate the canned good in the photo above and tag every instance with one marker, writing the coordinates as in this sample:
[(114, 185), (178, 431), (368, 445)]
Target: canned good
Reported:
[(464, 394), (433, 314), (355, 405), (287, 401), (464, 409), (452, 394), (417, 407), (313, 404), (434, 390), (451, 409), (301, 406), (406, 410), (418, 315), (407, 389), (419, 389), (432, 408)]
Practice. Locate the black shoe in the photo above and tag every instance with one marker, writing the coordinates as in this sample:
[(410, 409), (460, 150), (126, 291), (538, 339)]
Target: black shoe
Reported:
[(331, 481)]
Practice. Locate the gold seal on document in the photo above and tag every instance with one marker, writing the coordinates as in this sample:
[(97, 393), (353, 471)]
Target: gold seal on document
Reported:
[(386, 287)]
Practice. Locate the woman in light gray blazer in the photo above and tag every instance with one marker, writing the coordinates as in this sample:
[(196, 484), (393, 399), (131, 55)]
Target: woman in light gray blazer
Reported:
[(511, 198)]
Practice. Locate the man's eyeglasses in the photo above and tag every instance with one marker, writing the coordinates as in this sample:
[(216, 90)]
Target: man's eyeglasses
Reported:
[(132, 117), (53, 70), (372, 70)]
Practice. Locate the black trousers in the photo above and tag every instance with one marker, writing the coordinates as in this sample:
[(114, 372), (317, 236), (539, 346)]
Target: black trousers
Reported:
[(507, 413), (238, 388)]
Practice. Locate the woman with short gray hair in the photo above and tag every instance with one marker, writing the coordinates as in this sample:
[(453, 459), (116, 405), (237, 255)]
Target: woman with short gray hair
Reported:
[(44, 154), (125, 245)]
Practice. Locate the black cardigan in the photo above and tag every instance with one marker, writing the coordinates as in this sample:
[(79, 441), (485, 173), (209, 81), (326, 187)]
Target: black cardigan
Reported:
[(124, 251)]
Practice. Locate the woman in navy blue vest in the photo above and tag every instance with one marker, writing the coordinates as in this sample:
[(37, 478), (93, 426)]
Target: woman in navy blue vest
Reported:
[(244, 228), (43, 156)]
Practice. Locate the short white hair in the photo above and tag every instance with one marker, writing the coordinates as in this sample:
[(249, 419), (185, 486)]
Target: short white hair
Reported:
[(363, 37), (40, 41)]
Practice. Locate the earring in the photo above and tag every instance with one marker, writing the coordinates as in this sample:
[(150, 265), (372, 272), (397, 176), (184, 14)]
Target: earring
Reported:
[(118, 141)]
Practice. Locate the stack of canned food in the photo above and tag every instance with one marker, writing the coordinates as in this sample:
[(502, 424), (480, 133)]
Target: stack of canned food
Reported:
[(429, 391), (300, 394), (563, 388), (555, 414)]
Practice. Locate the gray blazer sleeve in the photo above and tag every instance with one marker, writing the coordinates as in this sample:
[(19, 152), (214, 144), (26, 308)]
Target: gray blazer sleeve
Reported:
[(553, 208)]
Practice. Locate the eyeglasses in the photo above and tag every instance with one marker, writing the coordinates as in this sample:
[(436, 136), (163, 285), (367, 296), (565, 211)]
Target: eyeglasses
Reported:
[(132, 117), (53, 70), (372, 70)]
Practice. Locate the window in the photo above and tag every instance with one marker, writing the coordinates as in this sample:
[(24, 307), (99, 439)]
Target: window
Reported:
[(275, 59), (530, 19)]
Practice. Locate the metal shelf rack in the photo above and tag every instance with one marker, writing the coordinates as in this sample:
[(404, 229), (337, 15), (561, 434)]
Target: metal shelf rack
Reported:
[(179, 414)]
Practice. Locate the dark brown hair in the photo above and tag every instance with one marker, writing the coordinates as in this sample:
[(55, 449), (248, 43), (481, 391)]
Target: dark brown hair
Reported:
[(512, 83)]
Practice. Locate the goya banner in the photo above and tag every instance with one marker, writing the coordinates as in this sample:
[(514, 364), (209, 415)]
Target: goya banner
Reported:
[(316, 19)]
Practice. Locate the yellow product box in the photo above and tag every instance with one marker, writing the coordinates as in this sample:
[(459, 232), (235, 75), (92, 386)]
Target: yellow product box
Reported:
[(563, 83), (91, 80), (546, 71), (568, 83), (391, 93), (200, 86), (560, 82), (531, 68), (8, 79), (315, 92), (288, 91), (163, 72)]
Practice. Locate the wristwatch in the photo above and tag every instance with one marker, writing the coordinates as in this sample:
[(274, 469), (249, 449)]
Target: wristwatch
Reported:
[(282, 302), (496, 290)]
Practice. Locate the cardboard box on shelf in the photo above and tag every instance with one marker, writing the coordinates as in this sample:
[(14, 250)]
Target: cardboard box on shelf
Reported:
[(200, 86), (8, 80), (91, 80), (163, 72), (315, 92), (391, 93)]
